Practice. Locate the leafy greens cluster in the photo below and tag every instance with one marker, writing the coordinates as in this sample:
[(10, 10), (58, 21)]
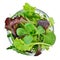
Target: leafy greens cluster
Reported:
[(30, 34)]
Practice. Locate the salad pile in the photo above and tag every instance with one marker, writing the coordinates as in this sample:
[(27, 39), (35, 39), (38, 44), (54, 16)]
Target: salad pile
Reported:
[(30, 31)]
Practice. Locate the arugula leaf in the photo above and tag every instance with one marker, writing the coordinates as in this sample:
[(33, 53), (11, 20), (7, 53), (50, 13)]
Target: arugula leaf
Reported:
[(51, 21), (40, 30), (49, 38), (28, 39), (29, 27), (21, 31)]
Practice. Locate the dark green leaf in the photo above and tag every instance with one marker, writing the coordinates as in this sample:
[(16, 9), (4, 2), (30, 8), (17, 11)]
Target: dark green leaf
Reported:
[(10, 36), (11, 47)]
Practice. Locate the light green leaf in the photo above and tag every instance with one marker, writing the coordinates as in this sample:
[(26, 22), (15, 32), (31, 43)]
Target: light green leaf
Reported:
[(49, 38), (20, 45), (29, 8), (28, 39), (21, 31), (45, 47), (51, 21), (29, 27), (40, 30)]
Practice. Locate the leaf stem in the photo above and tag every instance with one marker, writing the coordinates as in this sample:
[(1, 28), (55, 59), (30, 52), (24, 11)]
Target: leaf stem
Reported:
[(40, 43)]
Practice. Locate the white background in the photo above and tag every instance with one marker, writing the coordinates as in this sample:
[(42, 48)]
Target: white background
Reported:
[(9, 7)]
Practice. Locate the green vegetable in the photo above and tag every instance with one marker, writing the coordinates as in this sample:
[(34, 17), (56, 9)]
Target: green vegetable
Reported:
[(33, 35), (28, 12), (51, 20), (20, 45), (21, 32), (40, 30), (49, 38), (28, 39), (45, 47), (29, 27), (35, 39), (19, 51), (28, 8)]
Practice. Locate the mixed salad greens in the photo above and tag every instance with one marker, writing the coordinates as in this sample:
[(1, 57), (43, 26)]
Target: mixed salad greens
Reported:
[(29, 31)]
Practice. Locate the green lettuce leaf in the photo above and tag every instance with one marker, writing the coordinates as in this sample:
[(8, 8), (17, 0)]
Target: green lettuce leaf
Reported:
[(20, 45), (28, 39), (29, 27), (28, 8), (40, 30), (49, 38), (21, 31)]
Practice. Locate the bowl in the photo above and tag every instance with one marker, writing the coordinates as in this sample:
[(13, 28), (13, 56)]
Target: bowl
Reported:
[(41, 13)]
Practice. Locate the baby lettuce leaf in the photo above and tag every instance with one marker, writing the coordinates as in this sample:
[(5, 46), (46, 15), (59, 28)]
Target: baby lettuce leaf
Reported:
[(20, 45), (40, 30), (21, 32), (28, 39), (29, 27), (49, 38)]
